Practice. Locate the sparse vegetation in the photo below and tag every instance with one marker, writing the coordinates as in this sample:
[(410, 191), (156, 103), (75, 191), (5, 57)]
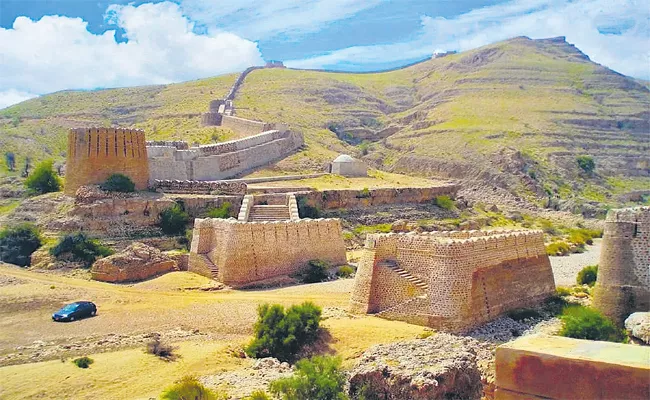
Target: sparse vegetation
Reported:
[(17, 244), (189, 388), (557, 249), (364, 193), (587, 275), (562, 291), (444, 202), (586, 163), (523, 313), (161, 349), (258, 395), (365, 229), (281, 334), (118, 183), (223, 211), (317, 378), (43, 179), (10, 160), (316, 271), (581, 322), (345, 271), (305, 210), (78, 247), (173, 220), (83, 362)]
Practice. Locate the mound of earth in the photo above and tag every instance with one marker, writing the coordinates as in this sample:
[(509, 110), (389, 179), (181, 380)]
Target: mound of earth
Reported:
[(135, 263)]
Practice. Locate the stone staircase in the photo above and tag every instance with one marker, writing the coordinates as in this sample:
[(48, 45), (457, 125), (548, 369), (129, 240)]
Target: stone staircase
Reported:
[(211, 266), (391, 264), (262, 213)]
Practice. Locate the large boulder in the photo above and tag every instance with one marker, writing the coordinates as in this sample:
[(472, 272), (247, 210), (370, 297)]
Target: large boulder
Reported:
[(638, 326), (135, 263), (442, 366)]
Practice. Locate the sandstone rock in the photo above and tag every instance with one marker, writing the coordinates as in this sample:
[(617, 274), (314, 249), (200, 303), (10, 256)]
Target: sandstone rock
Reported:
[(469, 226), (638, 325), (42, 259), (400, 225), (136, 262), (441, 366)]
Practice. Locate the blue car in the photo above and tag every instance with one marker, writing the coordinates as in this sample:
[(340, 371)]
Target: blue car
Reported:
[(73, 311)]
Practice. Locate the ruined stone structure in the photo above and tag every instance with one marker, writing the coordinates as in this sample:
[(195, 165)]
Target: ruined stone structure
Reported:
[(623, 284), (199, 187), (221, 160), (240, 253), (96, 153), (451, 280), (347, 166), (554, 367)]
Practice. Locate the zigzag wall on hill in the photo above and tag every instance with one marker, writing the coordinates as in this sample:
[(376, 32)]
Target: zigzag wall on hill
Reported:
[(451, 280)]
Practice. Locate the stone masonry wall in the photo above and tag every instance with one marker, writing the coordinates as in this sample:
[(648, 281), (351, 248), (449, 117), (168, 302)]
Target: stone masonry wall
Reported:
[(96, 153), (246, 252), (623, 284), (473, 276), (244, 126)]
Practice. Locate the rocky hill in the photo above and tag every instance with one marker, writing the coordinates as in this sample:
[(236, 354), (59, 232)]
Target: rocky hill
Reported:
[(510, 117)]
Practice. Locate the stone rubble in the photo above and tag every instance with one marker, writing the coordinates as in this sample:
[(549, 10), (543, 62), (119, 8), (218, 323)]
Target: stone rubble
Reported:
[(638, 326)]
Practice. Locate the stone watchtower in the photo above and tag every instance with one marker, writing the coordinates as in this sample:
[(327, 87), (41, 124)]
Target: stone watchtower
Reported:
[(623, 284), (94, 154)]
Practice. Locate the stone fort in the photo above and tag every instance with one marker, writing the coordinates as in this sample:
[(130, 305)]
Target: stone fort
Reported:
[(96, 153), (451, 280), (623, 283)]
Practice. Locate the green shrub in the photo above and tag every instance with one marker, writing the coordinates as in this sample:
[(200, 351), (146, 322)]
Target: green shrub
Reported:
[(306, 210), (258, 395), (43, 179), (173, 220), (189, 388), (17, 244), (223, 211), (79, 248), (523, 313), (444, 202), (364, 193), (557, 249), (118, 183), (562, 291), (345, 271), (83, 362), (587, 275), (281, 334), (316, 271), (586, 163), (587, 323), (318, 378)]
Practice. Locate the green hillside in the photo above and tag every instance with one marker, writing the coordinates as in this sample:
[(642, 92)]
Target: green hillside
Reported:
[(514, 115)]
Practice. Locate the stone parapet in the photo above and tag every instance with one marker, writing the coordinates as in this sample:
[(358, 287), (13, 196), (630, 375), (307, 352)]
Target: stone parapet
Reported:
[(199, 187)]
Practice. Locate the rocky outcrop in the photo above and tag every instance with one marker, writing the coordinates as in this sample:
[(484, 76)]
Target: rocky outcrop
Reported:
[(135, 263), (442, 366), (638, 326)]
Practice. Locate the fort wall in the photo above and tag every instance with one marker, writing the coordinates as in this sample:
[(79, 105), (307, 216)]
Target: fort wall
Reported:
[(96, 153), (472, 276), (623, 283), (246, 252), (244, 126)]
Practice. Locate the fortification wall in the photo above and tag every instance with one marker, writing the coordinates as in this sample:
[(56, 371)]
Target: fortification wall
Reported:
[(200, 187), (245, 252), (244, 126), (623, 283), (335, 199), (473, 276), (96, 153)]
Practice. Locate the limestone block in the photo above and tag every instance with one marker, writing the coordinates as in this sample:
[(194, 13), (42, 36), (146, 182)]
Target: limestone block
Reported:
[(135, 263)]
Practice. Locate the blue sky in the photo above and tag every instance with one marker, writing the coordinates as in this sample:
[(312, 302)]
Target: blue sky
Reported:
[(50, 45)]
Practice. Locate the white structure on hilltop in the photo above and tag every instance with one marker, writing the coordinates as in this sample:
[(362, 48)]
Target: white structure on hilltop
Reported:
[(348, 166)]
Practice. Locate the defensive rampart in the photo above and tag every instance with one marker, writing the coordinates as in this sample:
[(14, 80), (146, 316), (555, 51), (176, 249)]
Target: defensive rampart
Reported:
[(96, 153), (451, 280), (200, 187), (221, 160), (239, 253), (623, 284)]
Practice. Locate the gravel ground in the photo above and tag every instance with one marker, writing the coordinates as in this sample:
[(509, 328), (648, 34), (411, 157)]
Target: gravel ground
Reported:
[(566, 268)]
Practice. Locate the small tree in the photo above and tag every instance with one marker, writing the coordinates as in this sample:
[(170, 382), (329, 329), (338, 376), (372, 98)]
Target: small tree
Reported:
[(83, 362), (173, 220), (318, 378), (118, 183), (43, 179), (10, 159), (80, 248), (586, 163), (223, 211), (587, 275), (316, 271), (18, 243)]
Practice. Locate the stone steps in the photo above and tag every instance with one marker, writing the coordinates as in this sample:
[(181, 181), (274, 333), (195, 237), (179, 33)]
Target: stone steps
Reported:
[(405, 274), (211, 266), (263, 213)]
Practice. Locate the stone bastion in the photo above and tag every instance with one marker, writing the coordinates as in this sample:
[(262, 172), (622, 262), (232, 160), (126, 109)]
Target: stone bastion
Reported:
[(451, 280), (623, 283)]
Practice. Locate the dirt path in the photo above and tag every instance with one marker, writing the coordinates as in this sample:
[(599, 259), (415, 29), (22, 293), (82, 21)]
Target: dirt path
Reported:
[(565, 269)]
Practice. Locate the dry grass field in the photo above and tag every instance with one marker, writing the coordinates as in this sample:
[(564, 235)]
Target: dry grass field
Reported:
[(210, 322)]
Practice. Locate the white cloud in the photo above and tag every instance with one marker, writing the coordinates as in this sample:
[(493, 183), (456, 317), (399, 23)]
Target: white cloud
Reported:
[(581, 22), (13, 96), (256, 19), (58, 53)]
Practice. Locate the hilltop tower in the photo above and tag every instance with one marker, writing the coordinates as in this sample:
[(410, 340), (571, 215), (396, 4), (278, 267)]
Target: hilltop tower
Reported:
[(96, 153), (623, 284)]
